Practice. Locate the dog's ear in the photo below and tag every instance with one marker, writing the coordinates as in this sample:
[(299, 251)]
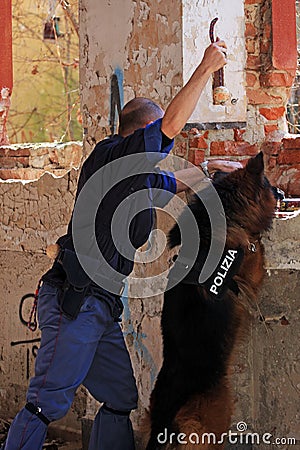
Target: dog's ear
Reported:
[(256, 165)]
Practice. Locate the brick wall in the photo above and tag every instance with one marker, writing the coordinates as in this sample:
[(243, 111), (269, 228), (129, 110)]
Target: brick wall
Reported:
[(270, 71), (30, 161)]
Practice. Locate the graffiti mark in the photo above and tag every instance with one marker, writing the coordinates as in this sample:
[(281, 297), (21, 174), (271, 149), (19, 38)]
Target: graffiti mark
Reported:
[(116, 98), (26, 341), (33, 353), (140, 347), (22, 316), (21, 307)]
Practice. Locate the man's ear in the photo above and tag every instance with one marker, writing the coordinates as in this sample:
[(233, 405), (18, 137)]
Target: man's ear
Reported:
[(256, 165)]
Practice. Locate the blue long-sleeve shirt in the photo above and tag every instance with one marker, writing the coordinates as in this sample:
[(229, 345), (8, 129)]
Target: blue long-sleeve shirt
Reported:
[(151, 146)]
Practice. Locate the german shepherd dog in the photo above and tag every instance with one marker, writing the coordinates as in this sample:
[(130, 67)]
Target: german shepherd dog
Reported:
[(200, 332)]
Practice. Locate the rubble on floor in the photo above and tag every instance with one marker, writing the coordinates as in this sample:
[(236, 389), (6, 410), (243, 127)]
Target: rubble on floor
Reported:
[(51, 444)]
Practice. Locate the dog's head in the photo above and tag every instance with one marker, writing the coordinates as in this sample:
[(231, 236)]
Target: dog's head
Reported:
[(248, 201), (247, 196)]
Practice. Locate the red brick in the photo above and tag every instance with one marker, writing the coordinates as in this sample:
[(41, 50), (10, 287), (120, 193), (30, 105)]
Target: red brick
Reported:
[(231, 148), (181, 148), (196, 156), (272, 148), (270, 128), (9, 162), (251, 79), (258, 97), (251, 45), (14, 153), (264, 46), (272, 113), (217, 148), (276, 79), (290, 156), (251, 30), (253, 62), (184, 134), (22, 161), (238, 134), (291, 143), (198, 142), (18, 152), (271, 163)]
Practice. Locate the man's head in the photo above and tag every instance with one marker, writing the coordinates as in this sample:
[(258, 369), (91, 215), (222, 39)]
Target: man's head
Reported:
[(137, 114)]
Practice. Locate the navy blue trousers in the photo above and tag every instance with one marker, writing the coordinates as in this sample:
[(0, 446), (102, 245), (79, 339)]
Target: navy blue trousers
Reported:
[(90, 351)]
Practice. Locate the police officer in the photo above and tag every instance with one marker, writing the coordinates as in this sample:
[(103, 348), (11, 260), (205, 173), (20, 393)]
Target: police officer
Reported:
[(81, 340)]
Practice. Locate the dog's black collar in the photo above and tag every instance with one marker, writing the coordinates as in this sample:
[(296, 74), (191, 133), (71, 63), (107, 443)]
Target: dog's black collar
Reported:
[(220, 281)]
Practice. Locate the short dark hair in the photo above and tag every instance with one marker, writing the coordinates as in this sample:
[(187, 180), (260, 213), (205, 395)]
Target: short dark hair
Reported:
[(137, 113)]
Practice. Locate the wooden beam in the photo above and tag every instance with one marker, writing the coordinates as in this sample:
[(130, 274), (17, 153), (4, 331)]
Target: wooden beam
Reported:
[(6, 62), (6, 66), (284, 34)]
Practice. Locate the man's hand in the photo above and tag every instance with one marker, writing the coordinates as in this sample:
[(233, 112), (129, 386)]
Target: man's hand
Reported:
[(223, 165), (184, 103), (214, 57), (187, 178)]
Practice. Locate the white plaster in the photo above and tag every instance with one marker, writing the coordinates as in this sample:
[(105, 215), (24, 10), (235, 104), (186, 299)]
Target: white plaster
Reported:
[(197, 16), (108, 37), (143, 14)]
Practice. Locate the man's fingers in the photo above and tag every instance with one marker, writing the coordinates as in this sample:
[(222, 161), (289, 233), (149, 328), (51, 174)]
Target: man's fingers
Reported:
[(220, 43), (222, 47), (229, 166), (224, 166)]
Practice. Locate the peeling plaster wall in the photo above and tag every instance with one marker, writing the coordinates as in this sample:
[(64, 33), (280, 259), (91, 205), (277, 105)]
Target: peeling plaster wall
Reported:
[(33, 215), (230, 27), (104, 48), (266, 376), (142, 46)]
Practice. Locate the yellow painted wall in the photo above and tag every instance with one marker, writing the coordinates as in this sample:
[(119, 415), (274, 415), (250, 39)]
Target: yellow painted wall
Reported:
[(45, 73)]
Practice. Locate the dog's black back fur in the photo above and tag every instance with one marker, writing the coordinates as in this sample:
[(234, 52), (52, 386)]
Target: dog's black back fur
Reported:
[(199, 333)]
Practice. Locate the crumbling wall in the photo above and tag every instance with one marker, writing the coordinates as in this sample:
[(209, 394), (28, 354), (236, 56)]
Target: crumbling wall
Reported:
[(139, 52), (33, 216), (141, 47)]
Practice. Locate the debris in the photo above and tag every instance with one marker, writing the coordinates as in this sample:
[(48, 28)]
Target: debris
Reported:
[(4, 427), (53, 444)]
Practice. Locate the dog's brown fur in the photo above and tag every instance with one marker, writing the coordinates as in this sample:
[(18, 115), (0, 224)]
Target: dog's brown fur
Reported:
[(200, 334)]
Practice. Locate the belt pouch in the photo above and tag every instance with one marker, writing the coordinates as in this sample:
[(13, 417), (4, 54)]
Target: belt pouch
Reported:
[(75, 287)]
